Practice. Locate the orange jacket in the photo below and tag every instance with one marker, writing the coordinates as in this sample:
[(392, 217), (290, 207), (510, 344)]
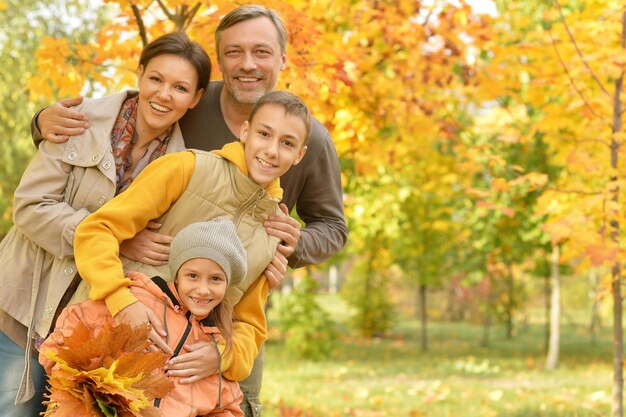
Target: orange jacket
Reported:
[(196, 399)]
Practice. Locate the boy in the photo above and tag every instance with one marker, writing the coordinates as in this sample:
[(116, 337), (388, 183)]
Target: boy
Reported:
[(206, 257), (239, 182)]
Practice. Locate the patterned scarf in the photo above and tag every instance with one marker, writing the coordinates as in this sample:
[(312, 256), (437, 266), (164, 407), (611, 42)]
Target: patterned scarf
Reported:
[(123, 138)]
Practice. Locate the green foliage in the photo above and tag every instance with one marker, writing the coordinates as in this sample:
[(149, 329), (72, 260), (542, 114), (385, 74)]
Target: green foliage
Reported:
[(366, 290), (310, 332), (107, 410), (391, 377), (22, 25)]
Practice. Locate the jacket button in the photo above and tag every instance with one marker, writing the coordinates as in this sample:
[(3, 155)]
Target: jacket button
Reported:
[(102, 200), (72, 156), (49, 309), (69, 270), (106, 165), (95, 157)]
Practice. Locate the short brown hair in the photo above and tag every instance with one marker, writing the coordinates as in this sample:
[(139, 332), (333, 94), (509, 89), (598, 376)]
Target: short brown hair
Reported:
[(292, 104), (249, 12), (179, 44)]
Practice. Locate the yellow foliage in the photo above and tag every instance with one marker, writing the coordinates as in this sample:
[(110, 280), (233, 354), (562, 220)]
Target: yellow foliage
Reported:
[(111, 367)]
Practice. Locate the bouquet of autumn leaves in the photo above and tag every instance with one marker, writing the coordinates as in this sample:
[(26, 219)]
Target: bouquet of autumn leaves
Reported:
[(110, 374)]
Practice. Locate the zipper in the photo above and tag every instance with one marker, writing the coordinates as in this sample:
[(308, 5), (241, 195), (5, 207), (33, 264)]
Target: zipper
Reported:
[(179, 347), (251, 202), (183, 339)]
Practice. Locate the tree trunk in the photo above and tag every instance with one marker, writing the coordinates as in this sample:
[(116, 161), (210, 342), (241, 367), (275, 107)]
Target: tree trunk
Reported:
[(487, 317), (594, 323), (547, 295), (510, 304), (424, 316), (618, 377), (552, 360), (618, 338)]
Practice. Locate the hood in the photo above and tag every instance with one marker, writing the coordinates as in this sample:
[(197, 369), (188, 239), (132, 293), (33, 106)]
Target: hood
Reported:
[(234, 153)]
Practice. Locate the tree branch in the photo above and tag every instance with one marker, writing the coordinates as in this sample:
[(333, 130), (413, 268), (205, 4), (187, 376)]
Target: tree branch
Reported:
[(575, 140), (580, 54), (190, 16), (165, 10), (574, 191), (142, 28), (571, 79)]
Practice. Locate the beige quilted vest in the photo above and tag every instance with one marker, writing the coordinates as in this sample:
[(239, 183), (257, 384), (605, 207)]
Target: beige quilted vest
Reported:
[(218, 189)]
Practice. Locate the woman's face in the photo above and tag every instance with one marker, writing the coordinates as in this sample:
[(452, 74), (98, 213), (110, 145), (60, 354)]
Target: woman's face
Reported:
[(167, 89)]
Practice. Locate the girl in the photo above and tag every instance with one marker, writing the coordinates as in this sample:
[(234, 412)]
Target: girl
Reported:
[(205, 258)]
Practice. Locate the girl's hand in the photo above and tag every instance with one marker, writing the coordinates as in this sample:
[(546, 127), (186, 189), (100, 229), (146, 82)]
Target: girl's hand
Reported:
[(137, 314)]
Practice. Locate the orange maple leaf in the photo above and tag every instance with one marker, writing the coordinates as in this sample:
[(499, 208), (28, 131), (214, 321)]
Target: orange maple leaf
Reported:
[(110, 369)]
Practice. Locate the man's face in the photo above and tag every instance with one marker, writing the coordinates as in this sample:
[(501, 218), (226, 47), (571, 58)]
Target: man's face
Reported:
[(250, 59)]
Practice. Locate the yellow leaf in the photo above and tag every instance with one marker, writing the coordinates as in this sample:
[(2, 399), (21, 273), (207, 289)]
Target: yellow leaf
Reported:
[(111, 367)]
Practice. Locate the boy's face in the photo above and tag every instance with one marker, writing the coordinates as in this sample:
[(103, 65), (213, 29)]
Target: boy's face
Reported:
[(201, 285), (274, 141)]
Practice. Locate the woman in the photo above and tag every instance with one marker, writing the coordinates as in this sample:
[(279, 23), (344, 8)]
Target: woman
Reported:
[(66, 182)]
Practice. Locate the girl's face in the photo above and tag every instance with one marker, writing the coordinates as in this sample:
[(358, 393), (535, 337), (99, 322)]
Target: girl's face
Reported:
[(167, 89), (201, 285)]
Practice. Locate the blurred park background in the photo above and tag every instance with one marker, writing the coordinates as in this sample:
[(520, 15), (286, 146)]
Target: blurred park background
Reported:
[(480, 146)]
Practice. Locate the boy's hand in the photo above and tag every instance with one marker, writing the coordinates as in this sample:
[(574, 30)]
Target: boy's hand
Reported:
[(200, 362), (148, 246), (275, 271), (58, 122), (286, 228), (137, 314)]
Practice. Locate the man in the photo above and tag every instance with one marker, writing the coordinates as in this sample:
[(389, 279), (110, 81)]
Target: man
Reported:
[(251, 52)]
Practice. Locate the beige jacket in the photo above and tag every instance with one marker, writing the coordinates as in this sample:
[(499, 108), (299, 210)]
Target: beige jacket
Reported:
[(61, 186)]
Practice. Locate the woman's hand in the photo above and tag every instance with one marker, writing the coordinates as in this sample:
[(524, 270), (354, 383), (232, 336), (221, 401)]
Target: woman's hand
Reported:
[(200, 361)]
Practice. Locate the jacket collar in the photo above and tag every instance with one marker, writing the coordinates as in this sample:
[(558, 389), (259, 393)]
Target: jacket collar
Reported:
[(90, 148)]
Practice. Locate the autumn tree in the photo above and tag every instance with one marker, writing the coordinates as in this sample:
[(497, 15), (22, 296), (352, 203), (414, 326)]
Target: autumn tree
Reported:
[(387, 79), (25, 24), (574, 83)]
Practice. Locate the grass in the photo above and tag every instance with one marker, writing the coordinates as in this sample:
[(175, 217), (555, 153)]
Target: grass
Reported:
[(455, 377)]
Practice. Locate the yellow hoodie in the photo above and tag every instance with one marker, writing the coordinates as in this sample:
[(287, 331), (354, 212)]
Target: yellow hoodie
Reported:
[(96, 248)]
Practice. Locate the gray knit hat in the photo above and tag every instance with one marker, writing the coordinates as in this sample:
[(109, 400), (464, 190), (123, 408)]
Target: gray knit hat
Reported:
[(216, 240)]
